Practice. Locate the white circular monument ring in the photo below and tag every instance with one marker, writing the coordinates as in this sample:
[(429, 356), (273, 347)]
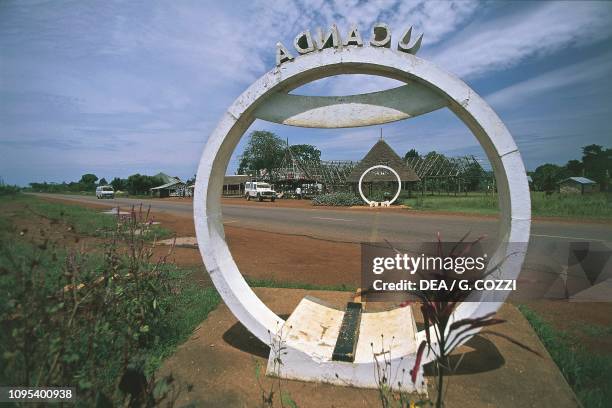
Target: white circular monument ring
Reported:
[(274, 86), (380, 166)]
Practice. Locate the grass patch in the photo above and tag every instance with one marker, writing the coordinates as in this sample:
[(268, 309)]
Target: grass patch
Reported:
[(588, 206), (470, 204), (189, 308), (594, 330), (270, 283), (80, 219), (597, 205), (589, 374)]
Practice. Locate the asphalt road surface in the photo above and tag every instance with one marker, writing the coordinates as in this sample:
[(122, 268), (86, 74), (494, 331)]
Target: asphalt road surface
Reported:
[(358, 226)]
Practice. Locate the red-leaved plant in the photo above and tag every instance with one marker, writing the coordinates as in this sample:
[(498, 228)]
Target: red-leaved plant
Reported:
[(437, 307)]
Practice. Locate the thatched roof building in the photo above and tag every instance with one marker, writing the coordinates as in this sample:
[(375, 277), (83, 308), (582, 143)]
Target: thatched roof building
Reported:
[(382, 153)]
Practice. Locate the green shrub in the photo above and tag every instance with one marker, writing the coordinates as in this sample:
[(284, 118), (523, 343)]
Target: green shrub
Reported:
[(8, 190), (337, 199), (99, 321)]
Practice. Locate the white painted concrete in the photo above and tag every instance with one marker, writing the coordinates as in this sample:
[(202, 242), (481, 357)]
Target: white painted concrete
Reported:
[(515, 206), (373, 108), (308, 339), (385, 203)]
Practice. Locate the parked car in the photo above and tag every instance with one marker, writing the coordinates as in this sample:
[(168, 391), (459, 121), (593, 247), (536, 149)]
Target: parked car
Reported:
[(105, 192), (258, 190)]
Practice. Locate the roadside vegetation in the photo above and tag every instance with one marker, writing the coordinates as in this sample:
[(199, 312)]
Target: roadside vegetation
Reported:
[(100, 320), (8, 190), (588, 206), (137, 185), (269, 283), (596, 164), (588, 373), (82, 220), (339, 199)]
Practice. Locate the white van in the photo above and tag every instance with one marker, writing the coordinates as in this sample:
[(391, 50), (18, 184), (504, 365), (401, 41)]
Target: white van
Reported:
[(259, 190), (105, 192)]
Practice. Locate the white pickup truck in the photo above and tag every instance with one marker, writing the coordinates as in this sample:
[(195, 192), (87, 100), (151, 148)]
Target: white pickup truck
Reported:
[(258, 190)]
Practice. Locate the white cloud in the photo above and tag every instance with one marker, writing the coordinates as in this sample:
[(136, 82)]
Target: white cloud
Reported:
[(436, 19), (157, 75), (589, 71), (507, 41)]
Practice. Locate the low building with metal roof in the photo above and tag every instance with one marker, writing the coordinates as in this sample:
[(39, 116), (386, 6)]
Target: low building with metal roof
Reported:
[(578, 185)]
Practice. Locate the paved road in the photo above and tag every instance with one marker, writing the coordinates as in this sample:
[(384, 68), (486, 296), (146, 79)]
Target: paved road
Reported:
[(357, 226)]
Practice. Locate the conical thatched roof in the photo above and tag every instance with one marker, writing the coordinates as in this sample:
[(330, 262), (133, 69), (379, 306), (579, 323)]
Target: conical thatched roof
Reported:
[(382, 153)]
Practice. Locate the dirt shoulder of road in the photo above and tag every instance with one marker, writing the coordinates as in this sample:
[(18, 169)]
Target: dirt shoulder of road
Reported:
[(264, 255)]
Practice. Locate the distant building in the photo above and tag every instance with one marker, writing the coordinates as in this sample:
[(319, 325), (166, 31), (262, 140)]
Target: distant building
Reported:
[(234, 185), (172, 187), (578, 185)]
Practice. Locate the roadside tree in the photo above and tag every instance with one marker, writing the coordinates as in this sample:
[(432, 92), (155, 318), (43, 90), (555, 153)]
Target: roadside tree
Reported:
[(264, 151)]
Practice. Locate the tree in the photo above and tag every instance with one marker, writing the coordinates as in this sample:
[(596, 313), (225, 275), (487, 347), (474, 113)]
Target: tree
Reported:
[(546, 176), (88, 178), (191, 180), (306, 152), (440, 159), (410, 154), (141, 184), (264, 151), (574, 168), (431, 155), (119, 184), (102, 182), (473, 174), (87, 182), (597, 164)]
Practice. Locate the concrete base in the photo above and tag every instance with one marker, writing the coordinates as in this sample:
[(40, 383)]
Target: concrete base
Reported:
[(219, 361), (386, 346)]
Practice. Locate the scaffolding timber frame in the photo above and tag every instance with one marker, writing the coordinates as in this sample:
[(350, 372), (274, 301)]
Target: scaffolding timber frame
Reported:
[(437, 172), (452, 174), (331, 174)]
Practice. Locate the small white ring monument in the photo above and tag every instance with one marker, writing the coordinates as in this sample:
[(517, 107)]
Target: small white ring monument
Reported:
[(427, 88), (380, 166)]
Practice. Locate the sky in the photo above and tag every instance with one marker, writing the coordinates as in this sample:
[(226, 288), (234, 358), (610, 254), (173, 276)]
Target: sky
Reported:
[(116, 88)]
